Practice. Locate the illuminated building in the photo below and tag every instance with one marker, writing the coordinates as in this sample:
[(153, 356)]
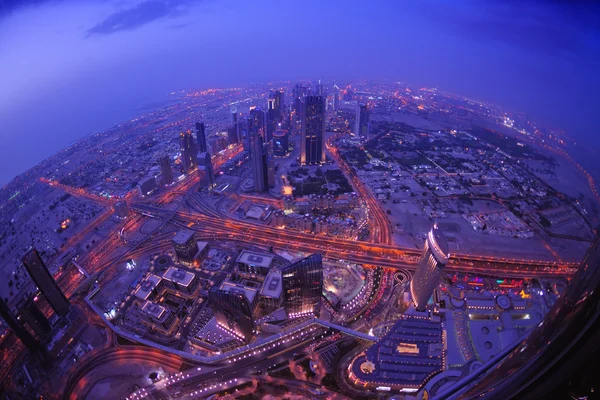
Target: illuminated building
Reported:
[(259, 161), (256, 123), (185, 246), (280, 143), (147, 186), (433, 259), (201, 137), (298, 94), (252, 264), (46, 283), (274, 113), (336, 101), (362, 121), (165, 168), (180, 280), (233, 310), (157, 317), (313, 131), (302, 284), (205, 165), (23, 334), (189, 151)]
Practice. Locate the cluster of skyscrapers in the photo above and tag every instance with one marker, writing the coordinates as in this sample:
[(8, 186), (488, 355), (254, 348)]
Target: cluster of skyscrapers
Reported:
[(301, 291), (34, 327)]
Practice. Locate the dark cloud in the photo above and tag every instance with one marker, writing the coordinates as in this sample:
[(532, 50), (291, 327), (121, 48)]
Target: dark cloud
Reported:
[(556, 28), (139, 15)]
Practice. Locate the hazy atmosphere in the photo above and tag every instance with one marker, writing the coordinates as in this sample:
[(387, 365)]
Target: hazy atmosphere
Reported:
[(70, 68)]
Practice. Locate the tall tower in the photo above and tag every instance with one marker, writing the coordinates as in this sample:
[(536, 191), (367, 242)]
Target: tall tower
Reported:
[(312, 146), (45, 282), (165, 168), (303, 286), (259, 160), (35, 319), (336, 101), (233, 312), (205, 165), (256, 123), (362, 121), (189, 151), (23, 334), (201, 137), (320, 90), (427, 276)]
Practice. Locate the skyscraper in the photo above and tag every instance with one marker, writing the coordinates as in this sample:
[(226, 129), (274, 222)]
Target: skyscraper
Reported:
[(232, 134), (312, 146), (298, 94), (303, 286), (35, 319), (23, 334), (189, 152), (186, 246), (276, 102), (259, 160), (232, 312), (201, 137), (336, 101), (272, 121), (45, 282), (362, 121), (256, 123), (280, 143), (165, 168), (205, 165), (319, 89), (433, 260)]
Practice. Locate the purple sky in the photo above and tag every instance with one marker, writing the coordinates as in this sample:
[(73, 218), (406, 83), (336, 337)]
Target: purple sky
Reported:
[(68, 68)]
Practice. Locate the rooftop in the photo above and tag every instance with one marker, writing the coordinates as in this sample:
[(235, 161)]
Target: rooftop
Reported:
[(182, 237), (272, 285), (179, 276), (249, 292), (147, 286), (153, 310), (252, 258)]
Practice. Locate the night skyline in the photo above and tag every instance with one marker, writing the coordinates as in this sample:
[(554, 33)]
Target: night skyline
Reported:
[(69, 69), (319, 199)]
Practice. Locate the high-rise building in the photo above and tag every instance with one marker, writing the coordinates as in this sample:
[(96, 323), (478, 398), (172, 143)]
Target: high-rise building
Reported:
[(256, 123), (303, 286), (319, 89), (298, 94), (233, 312), (147, 186), (280, 143), (36, 320), (201, 137), (362, 121), (45, 282), (165, 169), (276, 103), (259, 161), (312, 146), (186, 246), (427, 276), (232, 134), (189, 152), (273, 120), (23, 334), (336, 101), (205, 166)]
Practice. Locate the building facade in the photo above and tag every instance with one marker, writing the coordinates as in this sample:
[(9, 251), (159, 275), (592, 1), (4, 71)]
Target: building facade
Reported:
[(189, 151), (201, 137), (302, 284), (431, 264), (45, 282), (233, 313), (165, 169), (313, 131)]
